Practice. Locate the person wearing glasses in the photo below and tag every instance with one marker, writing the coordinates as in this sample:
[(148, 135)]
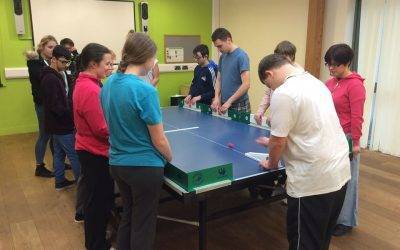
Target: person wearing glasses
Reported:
[(348, 93), (56, 89), (205, 74)]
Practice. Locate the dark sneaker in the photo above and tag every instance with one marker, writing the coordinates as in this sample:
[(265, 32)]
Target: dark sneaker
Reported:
[(341, 230), (64, 184), (67, 166), (41, 171), (79, 218)]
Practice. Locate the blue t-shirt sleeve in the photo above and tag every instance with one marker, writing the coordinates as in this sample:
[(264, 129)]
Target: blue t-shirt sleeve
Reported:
[(244, 62), (150, 109)]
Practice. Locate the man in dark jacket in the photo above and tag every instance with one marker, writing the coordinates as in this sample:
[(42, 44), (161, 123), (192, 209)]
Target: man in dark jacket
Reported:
[(205, 73), (36, 61), (73, 67), (56, 92)]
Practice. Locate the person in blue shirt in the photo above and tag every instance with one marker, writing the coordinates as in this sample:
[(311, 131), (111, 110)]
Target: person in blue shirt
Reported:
[(205, 74), (139, 148), (233, 80)]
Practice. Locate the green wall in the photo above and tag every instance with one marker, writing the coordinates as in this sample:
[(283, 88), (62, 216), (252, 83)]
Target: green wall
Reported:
[(17, 113), (172, 17), (177, 17)]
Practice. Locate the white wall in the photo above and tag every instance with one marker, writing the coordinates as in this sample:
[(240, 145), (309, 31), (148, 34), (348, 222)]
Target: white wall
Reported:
[(257, 26), (338, 27)]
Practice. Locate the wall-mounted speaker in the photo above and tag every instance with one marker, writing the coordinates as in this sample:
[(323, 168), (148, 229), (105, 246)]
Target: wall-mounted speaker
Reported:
[(19, 17), (144, 16)]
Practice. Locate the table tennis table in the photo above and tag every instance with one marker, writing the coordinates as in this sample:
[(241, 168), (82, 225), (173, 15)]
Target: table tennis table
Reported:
[(198, 140)]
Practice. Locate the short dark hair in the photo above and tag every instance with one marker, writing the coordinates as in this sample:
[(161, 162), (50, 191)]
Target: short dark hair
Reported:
[(67, 41), (60, 51), (286, 48), (221, 34), (269, 62), (339, 54), (93, 52), (202, 48)]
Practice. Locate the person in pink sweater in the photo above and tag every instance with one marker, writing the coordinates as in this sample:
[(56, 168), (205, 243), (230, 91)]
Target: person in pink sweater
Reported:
[(92, 143), (287, 49), (348, 93)]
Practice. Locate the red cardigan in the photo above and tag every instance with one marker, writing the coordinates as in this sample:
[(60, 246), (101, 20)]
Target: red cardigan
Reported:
[(349, 96), (91, 128)]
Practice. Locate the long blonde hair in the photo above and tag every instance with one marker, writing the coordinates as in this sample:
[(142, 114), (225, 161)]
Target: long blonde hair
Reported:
[(44, 41), (32, 54)]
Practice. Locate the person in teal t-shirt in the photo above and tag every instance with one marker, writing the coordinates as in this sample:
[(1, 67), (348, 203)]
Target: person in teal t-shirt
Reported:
[(139, 148), (130, 104)]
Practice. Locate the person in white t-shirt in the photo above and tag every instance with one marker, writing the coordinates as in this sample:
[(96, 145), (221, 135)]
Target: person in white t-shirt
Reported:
[(306, 134)]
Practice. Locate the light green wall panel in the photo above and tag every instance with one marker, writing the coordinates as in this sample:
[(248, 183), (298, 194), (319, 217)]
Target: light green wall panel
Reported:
[(170, 17), (17, 114)]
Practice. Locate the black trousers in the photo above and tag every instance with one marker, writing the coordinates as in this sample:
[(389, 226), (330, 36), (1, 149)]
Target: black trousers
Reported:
[(98, 203), (312, 219), (140, 189)]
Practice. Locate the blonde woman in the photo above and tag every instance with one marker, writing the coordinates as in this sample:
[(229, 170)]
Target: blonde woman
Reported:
[(36, 61)]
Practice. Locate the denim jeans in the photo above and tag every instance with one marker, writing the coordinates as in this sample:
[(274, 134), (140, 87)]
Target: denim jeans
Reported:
[(348, 215), (64, 145), (243, 106), (43, 137)]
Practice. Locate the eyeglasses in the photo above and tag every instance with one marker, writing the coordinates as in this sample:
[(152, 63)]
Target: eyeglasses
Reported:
[(197, 57), (333, 65), (65, 62)]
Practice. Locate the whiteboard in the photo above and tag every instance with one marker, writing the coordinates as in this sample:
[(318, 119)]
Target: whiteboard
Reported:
[(84, 21)]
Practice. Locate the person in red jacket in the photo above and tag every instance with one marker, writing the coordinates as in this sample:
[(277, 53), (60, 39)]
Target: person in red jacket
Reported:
[(92, 143), (348, 93)]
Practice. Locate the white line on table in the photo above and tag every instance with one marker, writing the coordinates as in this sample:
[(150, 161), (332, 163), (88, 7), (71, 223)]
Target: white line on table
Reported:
[(181, 129), (225, 146)]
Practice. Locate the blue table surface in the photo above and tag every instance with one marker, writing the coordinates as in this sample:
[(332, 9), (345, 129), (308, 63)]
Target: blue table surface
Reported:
[(206, 146)]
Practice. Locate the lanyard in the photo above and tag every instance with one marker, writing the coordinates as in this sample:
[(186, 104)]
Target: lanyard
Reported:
[(66, 81)]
